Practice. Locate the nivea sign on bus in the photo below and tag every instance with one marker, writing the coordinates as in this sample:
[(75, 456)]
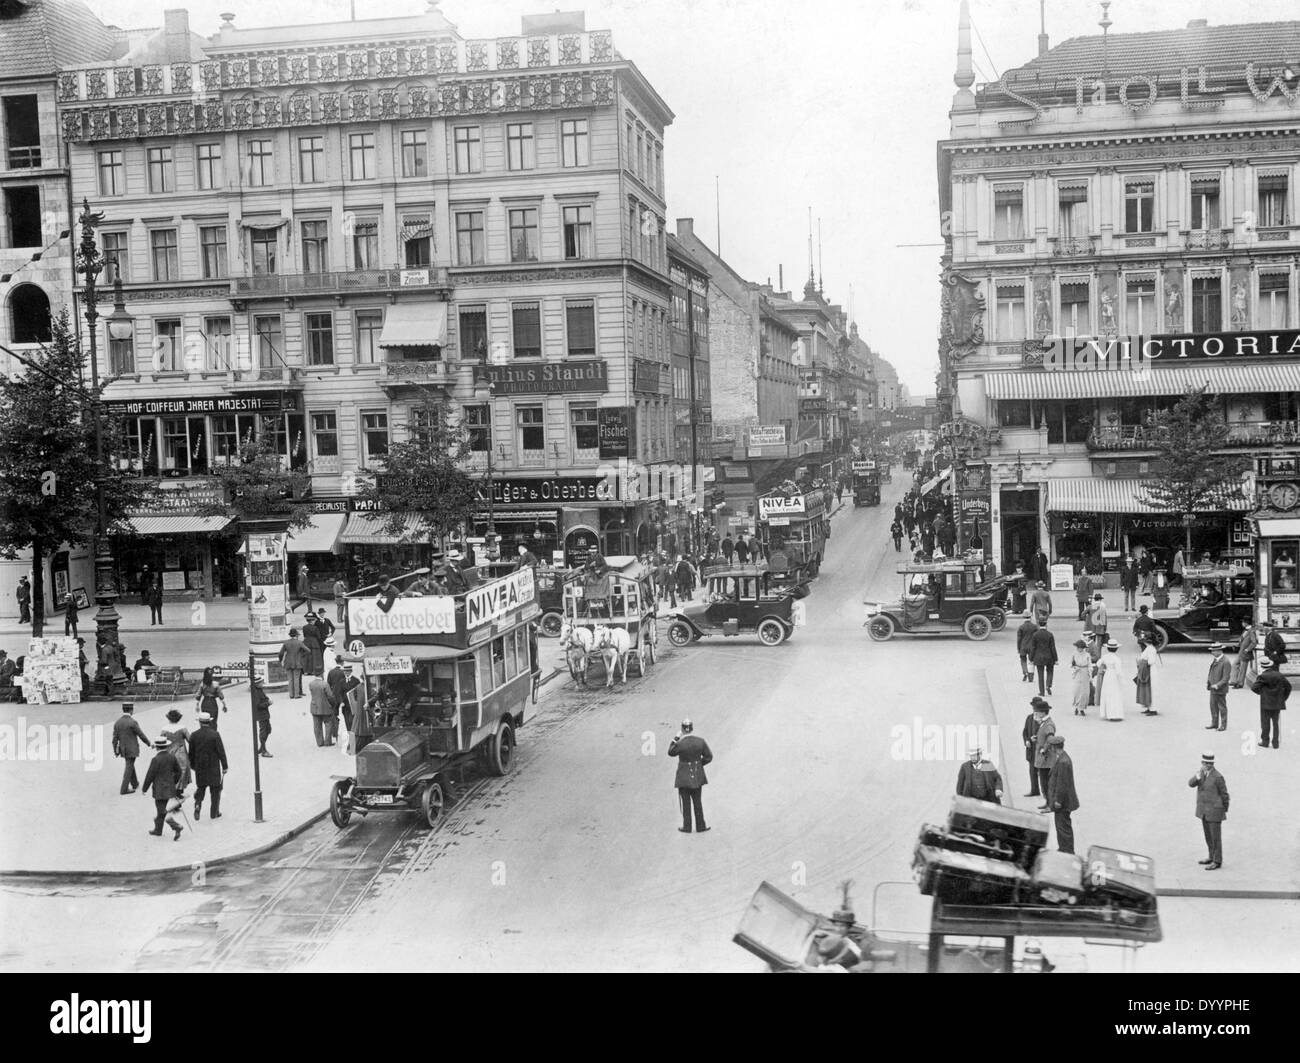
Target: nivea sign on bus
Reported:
[(493, 600)]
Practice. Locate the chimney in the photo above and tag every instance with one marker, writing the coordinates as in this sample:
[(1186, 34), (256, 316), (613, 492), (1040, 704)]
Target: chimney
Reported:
[(176, 35), (685, 228), (1042, 27), (1198, 24)]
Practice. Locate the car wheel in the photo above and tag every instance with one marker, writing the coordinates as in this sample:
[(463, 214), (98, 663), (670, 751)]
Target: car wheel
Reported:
[(771, 633), (501, 750), (432, 802), (977, 627), (340, 813), (551, 624), (679, 633), (881, 628), (1161, 639), (998, 619)]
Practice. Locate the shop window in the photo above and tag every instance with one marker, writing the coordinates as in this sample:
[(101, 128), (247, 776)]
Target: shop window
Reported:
[(29, 315), (23, 216), (1014, 413), (1283, 554), (1279, 405), (183, 446)]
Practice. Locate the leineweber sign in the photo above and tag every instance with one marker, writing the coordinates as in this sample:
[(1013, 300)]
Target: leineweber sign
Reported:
[(434, 615)]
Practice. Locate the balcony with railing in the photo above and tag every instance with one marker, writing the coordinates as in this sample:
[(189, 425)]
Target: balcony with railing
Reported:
[(340, 283), (1071, 246), (1207, 239)]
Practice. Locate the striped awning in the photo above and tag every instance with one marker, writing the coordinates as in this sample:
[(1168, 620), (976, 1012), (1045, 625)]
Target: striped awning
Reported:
[(1089, 494), (369, 529), (177, 524), (1175, 380)]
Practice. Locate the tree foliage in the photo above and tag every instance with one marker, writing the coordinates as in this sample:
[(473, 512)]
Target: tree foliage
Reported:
[(1196, 475), (423, 474), (259, 486), (49, 471)]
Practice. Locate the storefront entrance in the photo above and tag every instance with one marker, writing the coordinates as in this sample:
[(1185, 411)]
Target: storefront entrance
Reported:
[(1020, 527)]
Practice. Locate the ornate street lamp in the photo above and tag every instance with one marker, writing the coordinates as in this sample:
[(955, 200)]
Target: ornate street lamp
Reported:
[(91, 263)]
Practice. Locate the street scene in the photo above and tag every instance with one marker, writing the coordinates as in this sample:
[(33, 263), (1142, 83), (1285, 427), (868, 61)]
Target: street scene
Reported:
[(476, 571)]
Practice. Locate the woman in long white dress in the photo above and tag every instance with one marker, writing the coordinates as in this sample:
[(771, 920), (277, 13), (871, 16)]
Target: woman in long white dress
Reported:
[(1111, 699)]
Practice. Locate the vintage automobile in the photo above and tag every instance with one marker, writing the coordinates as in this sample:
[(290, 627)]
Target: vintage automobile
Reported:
[(740, 600), (1217, 604), (939, 598)]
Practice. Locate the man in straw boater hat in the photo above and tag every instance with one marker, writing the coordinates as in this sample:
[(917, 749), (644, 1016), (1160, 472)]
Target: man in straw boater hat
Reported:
[(1216, 682), (162, 783), (1211, 809), (1273, 689), (978, 778)]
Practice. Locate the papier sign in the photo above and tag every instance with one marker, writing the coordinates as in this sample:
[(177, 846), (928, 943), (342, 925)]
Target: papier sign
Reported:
[(434, 615)]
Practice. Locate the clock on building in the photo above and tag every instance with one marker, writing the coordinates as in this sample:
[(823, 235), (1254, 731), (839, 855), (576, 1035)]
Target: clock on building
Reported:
[(1284, 496)]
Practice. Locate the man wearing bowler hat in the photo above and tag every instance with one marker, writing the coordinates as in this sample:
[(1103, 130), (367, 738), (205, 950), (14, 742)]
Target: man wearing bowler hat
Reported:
[(1216, 682), (1044, 754), (1274, 645), (1029, 736), (1211, 809), (1062, 798), (693, 754)]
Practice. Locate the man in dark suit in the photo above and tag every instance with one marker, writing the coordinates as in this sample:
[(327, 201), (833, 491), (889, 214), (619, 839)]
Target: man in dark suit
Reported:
[(1143, 625), (24, 596), (1211, 809), (208, 762), (1044, 752), (1061, 796), (1128, 582), (980, 779), (1083, 591), (1274, 646), (1042, 652), (164, 776), (692, 754), (127, 737), (1273, 689), (295, 658), (336, 683), (1024, 634), (1029, 736), (262, 715), (1216, 682)]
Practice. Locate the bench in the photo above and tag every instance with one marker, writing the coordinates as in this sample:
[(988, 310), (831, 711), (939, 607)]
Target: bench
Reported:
[(171, 684)]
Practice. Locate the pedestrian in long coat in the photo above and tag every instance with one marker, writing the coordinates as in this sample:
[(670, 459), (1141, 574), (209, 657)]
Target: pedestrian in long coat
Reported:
[(1097, 613), (1040, 602), (1211, 809), (1273, 689), (1024, 636), (1081, 674), (978, 778), (262, 716), (1062, 798), (127, 737), (728, 548), (1216, 682), (208, 759), (1142, 678), (324, 714), (315, 643), (1042, 653), (1243, 668), (296, 659), (685, 576), (692, 754), (1274, 645), (1044, 755), (160, 783), (1083, 592)]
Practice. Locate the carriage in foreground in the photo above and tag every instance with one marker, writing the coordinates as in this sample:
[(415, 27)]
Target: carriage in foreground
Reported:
[(610, 615)]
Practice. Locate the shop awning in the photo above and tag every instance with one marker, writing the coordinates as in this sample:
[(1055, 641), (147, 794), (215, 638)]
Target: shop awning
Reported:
[(1087, 494), (422, 325), (930, 485), (369, 529), (319, 536), (177, 524), (1174, 380)]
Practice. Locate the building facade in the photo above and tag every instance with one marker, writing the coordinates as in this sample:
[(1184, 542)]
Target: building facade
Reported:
[(36, 240), (319, 227), (1119, 219)]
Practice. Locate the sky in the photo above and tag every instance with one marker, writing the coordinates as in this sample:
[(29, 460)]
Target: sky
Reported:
[(832, 106)]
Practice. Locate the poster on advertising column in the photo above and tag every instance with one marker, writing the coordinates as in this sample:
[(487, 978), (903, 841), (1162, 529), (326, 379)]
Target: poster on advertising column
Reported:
[(268, 605)]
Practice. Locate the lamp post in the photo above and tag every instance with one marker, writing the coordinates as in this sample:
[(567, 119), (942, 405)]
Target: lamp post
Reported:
[(91, 263)]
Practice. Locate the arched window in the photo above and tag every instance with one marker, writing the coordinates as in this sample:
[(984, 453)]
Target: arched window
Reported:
[(29, 315)]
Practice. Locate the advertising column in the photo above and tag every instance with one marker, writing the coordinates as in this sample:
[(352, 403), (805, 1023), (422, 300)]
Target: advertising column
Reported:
[(266, 545)]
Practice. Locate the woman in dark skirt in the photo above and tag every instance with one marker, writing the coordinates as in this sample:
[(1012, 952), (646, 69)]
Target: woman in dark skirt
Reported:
[(208, 696)]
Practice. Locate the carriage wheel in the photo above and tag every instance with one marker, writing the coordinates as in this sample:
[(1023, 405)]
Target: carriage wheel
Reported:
[(650, 640)]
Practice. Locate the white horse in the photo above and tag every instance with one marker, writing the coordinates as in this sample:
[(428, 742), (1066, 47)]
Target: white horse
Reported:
[(614, 645), (577, 643)]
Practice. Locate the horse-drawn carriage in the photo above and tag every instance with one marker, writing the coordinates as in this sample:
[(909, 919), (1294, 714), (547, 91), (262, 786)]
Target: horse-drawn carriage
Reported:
[(609, 615)]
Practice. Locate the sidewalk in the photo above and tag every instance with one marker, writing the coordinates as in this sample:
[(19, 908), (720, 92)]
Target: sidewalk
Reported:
[(222, 614), (1132, 776), (65, 816)]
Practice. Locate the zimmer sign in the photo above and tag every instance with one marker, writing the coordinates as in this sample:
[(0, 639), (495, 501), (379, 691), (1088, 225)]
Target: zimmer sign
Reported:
[(493, 600)]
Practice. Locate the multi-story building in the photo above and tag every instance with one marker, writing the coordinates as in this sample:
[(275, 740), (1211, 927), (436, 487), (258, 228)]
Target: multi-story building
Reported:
[(1119, 214), (320, 226), (692, 398), (753, 384), (37, 243)]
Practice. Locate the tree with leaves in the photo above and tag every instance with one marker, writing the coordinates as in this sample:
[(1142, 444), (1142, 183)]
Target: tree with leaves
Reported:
[(258, 483), (1196, 473), (49, 472), (424, 474)]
